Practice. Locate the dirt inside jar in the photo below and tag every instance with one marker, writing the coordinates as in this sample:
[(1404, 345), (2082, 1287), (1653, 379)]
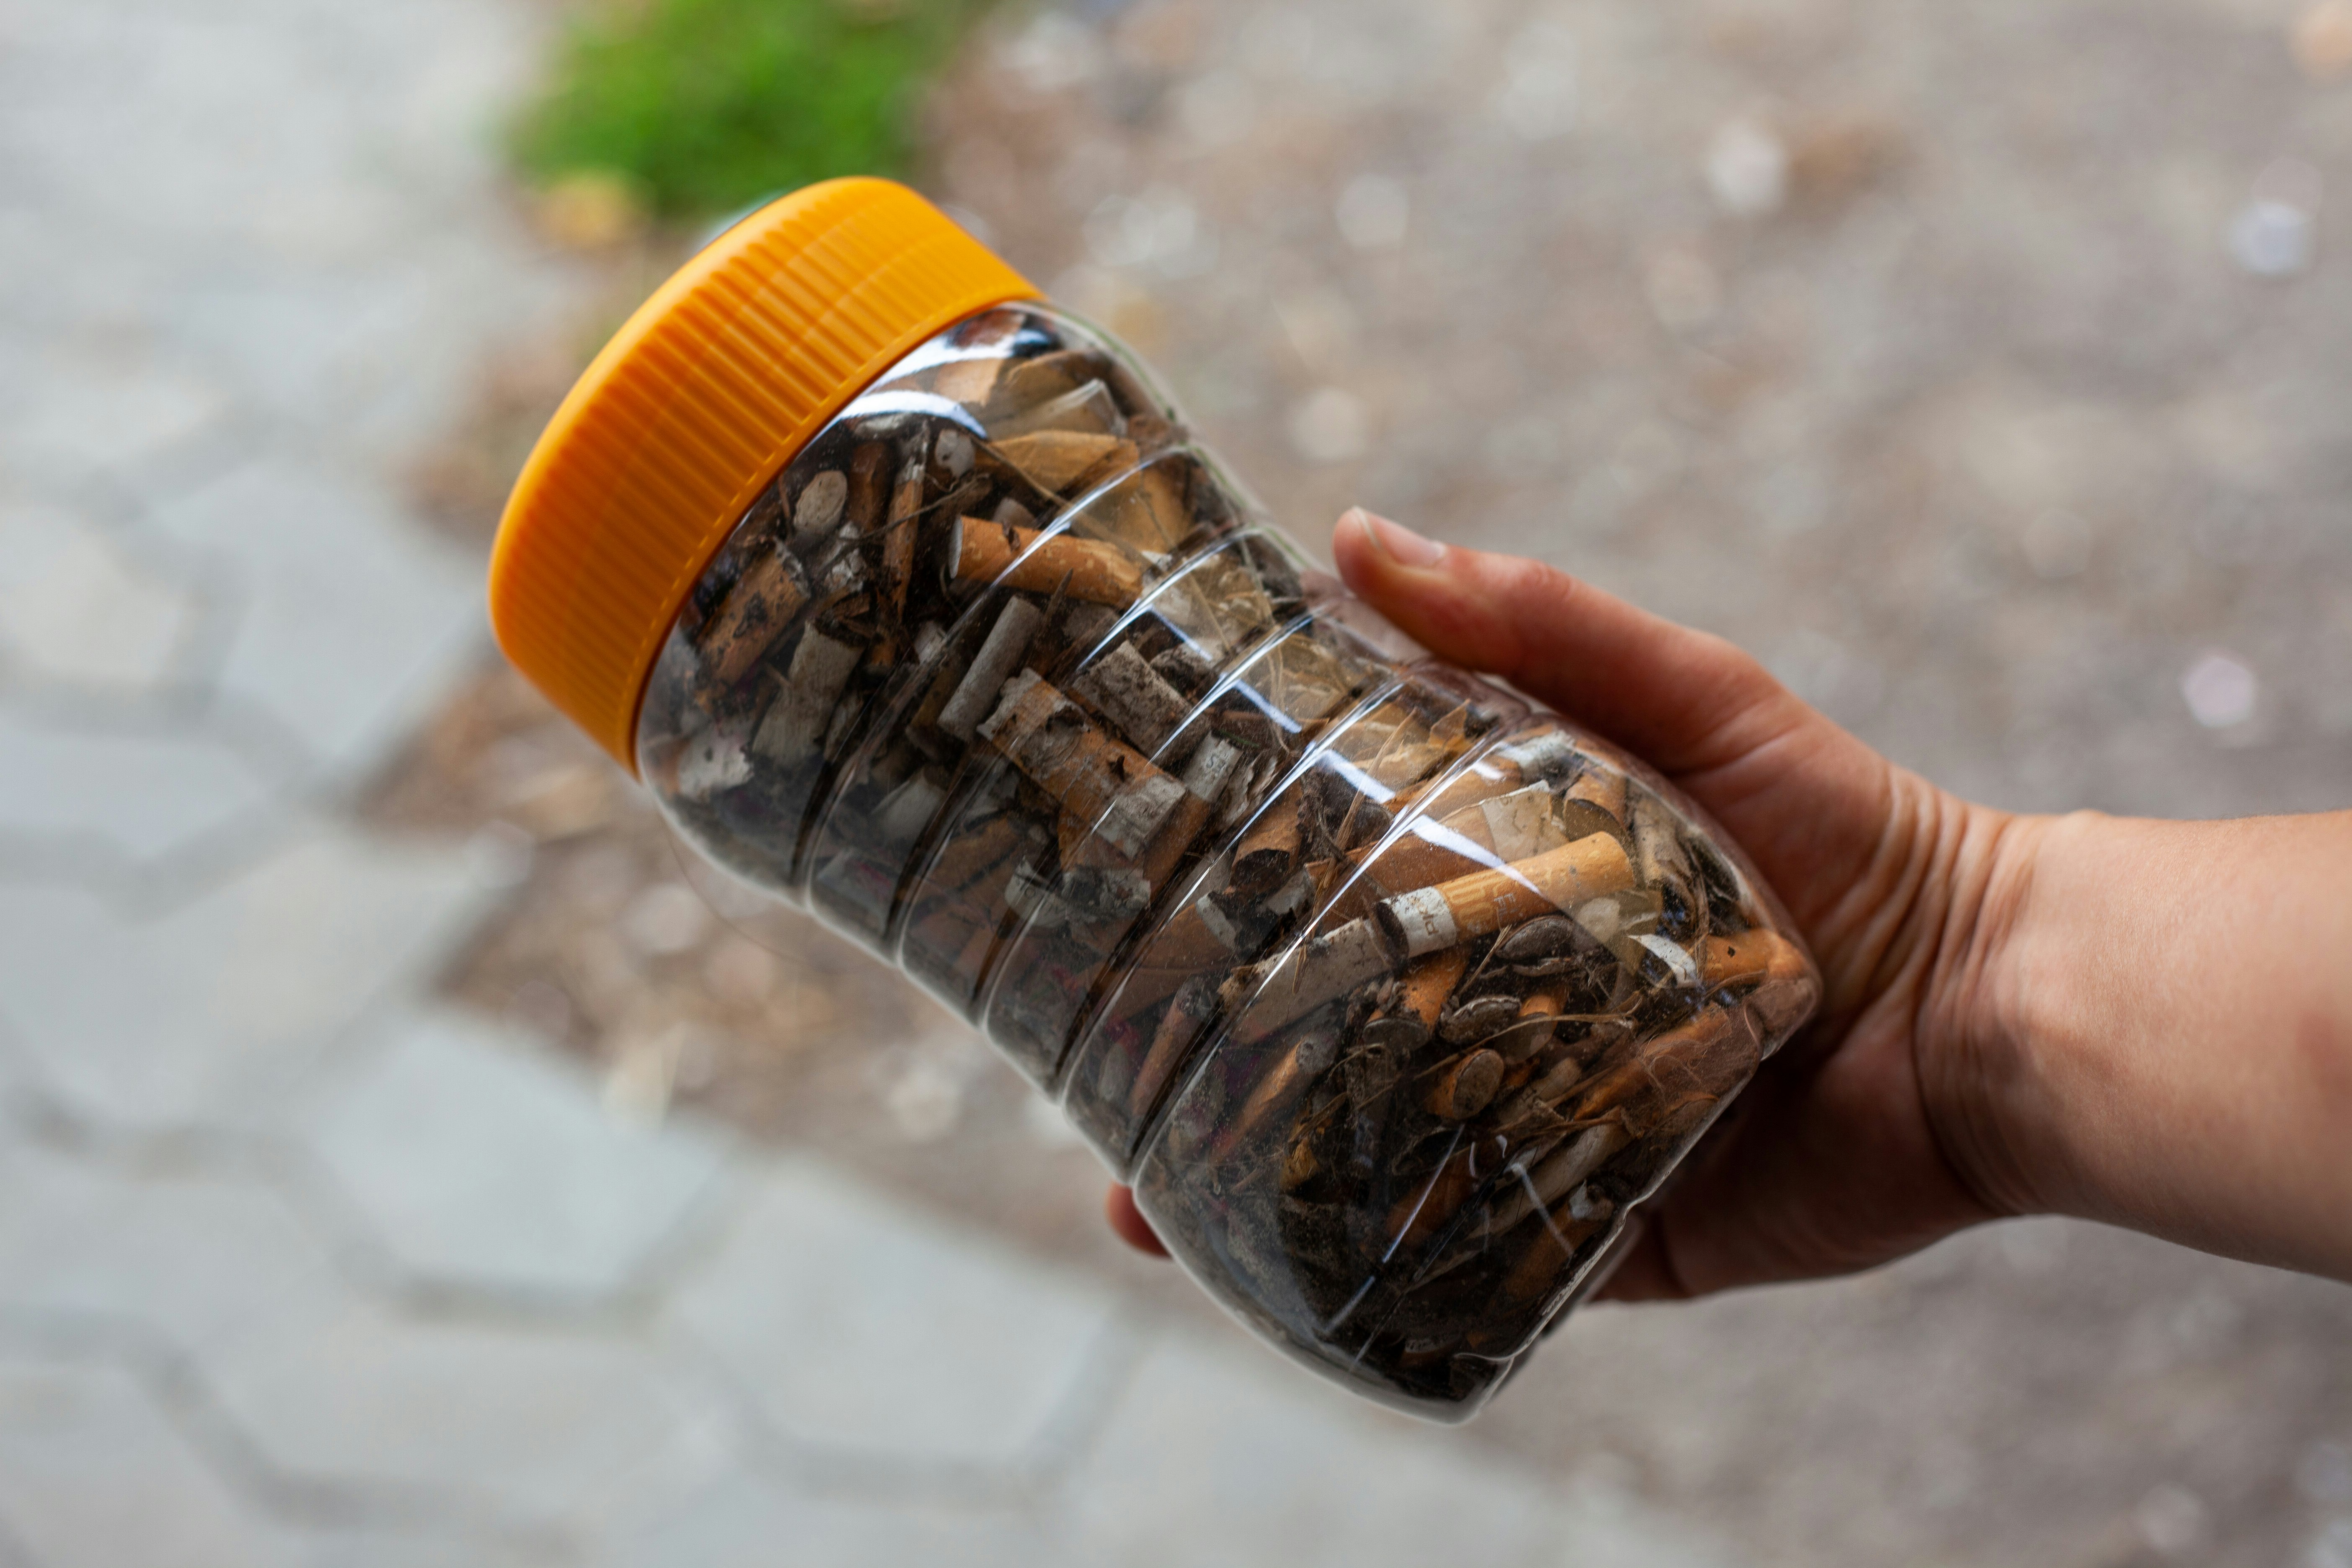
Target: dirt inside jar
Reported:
[(1393, 996)]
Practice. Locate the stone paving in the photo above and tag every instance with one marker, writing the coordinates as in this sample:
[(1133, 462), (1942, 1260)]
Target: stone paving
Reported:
[(297, 1267), (1982, 367)]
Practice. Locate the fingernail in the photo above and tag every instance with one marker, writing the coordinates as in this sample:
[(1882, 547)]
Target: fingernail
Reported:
[(1398, 543)]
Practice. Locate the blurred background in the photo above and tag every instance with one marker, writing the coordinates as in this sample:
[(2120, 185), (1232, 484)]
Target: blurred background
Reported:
[(402, 1163)]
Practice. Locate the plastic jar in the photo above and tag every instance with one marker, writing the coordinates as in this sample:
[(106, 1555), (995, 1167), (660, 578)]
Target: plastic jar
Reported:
[(912, 601)]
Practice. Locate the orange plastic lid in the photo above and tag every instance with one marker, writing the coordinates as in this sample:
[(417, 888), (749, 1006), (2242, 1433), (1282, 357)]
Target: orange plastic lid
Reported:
[(692, 409)]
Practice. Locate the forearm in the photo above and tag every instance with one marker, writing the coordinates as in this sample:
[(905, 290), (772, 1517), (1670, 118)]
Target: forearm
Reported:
[(2161, 1034)]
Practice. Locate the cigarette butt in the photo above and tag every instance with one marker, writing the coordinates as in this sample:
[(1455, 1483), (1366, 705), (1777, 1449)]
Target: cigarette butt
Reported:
[(707, 762), (1136, 814), (1429, 982), (1311, 972), (1467, 1085), (1787, 997), (1133, 696), (1055, 460), (1497, 772), (1174, 840), (1486, 902), (1290, 1073), (1556, 1175), (1567, 1065), (819, 509), (1182, 949), (755, 614), (1750, 956), (1268, 851), (795, 724), (1477, 1021), (1194, 1005), (1550, 1246), (1532, 1031), (968, 855), (1419, 1215), (899, 534), (1097, 572), (1703, 1060), (1145, 509), (1657, 848), (999, 655), (869, 486), (1212, 765), (970, 382), (1427, 853), (1603, 787), (1098, 781)]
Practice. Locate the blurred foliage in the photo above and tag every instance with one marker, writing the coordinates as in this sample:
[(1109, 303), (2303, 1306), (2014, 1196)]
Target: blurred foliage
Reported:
[(704, 106)]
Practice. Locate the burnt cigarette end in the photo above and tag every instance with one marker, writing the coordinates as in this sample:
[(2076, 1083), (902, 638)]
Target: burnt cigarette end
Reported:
[(1132, 695), (999, 655), (1467, 1085)]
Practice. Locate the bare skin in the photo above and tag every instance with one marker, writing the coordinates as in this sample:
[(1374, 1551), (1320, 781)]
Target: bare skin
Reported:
[(2145, 1023)]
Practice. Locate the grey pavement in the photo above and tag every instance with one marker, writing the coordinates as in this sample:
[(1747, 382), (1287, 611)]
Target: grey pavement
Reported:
[(1983, 367), (298, 1266)]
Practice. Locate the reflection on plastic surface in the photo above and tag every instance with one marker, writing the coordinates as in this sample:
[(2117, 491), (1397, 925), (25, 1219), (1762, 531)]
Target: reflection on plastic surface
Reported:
[(1391, 996)]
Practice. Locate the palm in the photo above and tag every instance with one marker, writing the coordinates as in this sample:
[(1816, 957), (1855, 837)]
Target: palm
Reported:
[(1831, 1162)]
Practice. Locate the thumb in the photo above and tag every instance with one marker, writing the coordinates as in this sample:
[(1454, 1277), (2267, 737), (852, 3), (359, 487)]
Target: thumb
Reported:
[(1809, 802), (1685, 700)]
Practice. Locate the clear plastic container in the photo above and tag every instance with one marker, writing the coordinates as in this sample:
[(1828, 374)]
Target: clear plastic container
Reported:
[(1391, 994)]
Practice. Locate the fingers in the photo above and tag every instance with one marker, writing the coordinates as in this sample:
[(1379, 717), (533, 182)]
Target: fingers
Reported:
[(1813, 805), (1127, 1222), (1683, 700)]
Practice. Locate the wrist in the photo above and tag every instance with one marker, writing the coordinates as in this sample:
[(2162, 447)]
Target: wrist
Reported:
[(1985, 1095), (2144, 1049)]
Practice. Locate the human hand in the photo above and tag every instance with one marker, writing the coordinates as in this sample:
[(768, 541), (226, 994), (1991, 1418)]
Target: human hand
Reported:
[(1841, 1155)]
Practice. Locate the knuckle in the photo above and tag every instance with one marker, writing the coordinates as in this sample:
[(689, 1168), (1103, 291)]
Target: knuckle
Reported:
[(1519, 577)]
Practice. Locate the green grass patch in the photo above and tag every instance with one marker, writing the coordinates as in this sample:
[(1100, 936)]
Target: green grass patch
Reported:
[(707, 105)]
